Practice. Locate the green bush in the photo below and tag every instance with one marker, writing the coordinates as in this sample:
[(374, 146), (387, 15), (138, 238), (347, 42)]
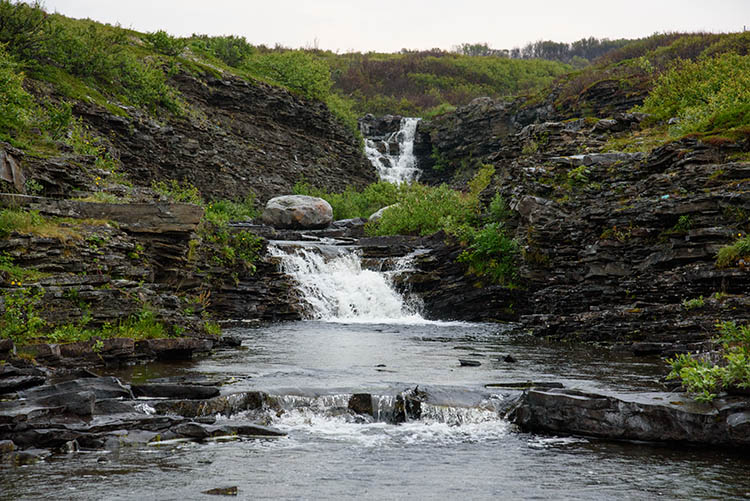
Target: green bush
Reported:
[(221, 212), (707, 95), (22, 323), (424, 210), (25, 29), (20, 319), (352, 203), (493, 254), (232, 50), (295, 70), (164, 43), (18, 220), (15, 102), (706, 379), (176, 191)]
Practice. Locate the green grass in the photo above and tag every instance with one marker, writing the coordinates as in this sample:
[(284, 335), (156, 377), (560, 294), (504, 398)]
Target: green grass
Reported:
[(22, 323), (730, 254)]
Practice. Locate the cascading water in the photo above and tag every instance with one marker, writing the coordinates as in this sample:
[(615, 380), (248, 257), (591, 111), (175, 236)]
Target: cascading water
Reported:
[(393, 156), (339, 289)]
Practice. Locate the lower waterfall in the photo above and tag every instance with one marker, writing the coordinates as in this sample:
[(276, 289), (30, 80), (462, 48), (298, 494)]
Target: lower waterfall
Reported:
[(338, 289)]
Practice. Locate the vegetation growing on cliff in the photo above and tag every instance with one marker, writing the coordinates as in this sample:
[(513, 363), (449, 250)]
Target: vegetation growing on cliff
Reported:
[(22, 322), (633, 70), (706, 378)]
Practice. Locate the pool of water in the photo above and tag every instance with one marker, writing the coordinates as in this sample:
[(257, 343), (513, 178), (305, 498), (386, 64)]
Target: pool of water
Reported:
[(460, 447)]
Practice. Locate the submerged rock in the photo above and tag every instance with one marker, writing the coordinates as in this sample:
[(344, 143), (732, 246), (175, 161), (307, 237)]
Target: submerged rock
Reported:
[(186, 391), (361, 403), (298, 212)]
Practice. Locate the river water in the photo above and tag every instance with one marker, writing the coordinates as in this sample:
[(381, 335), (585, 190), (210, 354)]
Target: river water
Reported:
[(460, 446)]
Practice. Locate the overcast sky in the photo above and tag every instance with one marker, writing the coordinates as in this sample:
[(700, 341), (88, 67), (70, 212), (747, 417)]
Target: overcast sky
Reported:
[(390, 25)]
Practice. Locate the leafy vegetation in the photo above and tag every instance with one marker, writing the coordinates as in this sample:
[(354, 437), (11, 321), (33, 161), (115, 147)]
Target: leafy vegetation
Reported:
[(178, 191), (417, 209), (706, 379), (15, 274), (22, 323), (15, 102), (695, 303), (352, 203), (227, 248), (730, 254), (707, 95), (635, 68), (430, 82)]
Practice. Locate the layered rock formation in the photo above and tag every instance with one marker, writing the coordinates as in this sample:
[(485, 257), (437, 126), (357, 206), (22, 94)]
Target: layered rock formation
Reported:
[(614, 242)]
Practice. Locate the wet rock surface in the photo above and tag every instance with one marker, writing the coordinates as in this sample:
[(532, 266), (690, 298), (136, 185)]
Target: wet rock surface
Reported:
[(654, 417), (86, 413)]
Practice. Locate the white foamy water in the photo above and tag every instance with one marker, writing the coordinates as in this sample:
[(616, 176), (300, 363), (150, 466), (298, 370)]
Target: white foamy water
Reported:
[(395, 164), (326, 417), (338, 289)]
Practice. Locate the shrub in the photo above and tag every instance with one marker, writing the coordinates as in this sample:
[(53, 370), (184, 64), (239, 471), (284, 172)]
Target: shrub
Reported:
[(295, 70), (15, 102), (706, 379), (232, 50), (19, 220), (352, 203), (493, 254), (25, 29), (692, 304), (706, 95), (223, 211), (178, 192), (424, 210), (164, 43), (20, 319)]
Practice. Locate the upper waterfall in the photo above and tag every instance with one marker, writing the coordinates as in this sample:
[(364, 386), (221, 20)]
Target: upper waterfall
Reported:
[(393, 156), (338, 289)]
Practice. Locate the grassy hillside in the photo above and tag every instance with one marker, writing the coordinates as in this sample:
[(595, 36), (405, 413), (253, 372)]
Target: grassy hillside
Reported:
[(424, 83), (698, 78)]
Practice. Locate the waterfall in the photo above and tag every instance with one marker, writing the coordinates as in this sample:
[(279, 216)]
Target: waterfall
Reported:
[(393, 156), (338, 289)]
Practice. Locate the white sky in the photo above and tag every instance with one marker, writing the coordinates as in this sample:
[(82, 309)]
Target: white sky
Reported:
[(390, 25)]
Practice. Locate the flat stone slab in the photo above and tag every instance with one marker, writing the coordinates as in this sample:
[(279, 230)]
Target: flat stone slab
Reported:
[(655, 417)]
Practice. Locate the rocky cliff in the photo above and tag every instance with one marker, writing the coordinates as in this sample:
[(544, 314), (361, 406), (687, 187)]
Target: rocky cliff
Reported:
[(615, 244), (236, 137)]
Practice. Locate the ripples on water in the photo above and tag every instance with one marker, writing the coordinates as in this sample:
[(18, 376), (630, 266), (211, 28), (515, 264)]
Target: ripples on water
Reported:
[(462, 448)]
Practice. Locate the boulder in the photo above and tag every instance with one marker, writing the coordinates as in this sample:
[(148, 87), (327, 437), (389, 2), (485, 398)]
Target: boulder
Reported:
[(298, 212)]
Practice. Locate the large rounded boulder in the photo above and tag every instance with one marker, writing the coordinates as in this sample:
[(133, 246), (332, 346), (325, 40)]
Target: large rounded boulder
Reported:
[(298, 212)]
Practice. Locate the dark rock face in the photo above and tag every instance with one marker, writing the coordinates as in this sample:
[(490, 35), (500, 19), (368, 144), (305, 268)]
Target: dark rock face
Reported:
[(251, 137), (379, 127), (613, 242), (651, 417), (298, 212), (361, 403)]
